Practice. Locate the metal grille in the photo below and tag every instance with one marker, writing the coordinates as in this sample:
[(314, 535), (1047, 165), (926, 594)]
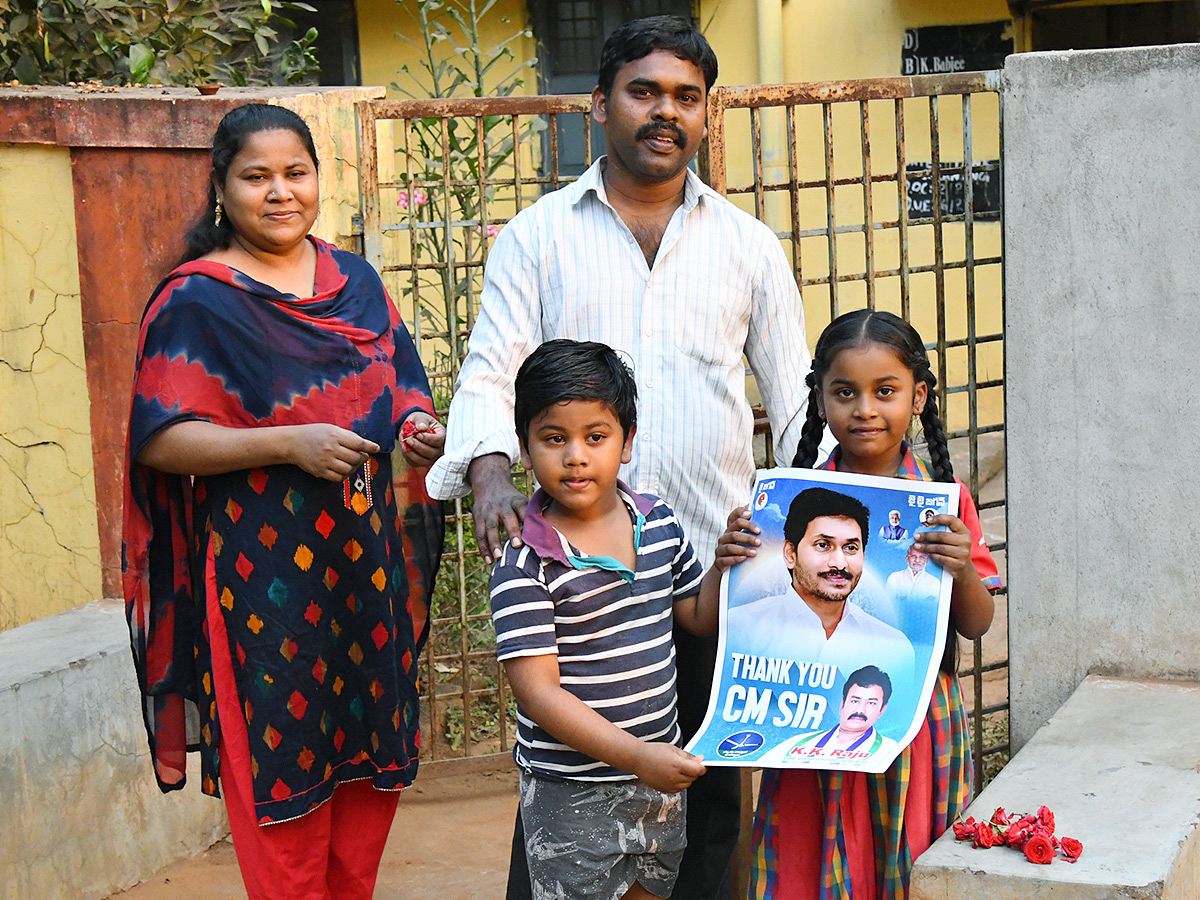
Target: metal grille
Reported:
[(880, 201), (886, 193)]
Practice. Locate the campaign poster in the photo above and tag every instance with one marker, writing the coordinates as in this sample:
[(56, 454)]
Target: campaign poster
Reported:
[(832, 635)]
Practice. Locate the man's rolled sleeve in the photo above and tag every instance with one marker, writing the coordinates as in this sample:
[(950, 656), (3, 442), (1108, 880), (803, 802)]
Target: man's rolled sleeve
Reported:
[(480, 421)]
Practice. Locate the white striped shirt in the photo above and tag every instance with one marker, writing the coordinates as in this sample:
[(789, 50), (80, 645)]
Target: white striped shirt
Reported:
[(721, 287), (609, 628)]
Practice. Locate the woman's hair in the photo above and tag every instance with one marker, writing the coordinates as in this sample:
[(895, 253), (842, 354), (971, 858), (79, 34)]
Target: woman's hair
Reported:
[(238, 125), (857, 329)]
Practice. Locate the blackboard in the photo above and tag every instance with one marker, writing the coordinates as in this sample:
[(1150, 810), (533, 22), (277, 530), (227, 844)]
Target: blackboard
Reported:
[(985, 186), (939, 49)]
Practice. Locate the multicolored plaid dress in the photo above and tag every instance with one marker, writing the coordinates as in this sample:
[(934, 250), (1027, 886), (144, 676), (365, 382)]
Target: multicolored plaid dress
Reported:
[(323, 586), (853, 836)]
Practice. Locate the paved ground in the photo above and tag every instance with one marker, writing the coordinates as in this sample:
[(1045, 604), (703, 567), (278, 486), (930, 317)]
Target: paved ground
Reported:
[(450, 840)]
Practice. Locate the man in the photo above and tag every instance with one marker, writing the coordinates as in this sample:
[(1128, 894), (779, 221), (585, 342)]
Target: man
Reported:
[(893, 530), (641, 255), (865, 698), (825, 538), (913, 582)]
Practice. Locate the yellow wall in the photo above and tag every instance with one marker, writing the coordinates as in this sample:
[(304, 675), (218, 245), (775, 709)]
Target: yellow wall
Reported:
[(49, 543), (386, 28)]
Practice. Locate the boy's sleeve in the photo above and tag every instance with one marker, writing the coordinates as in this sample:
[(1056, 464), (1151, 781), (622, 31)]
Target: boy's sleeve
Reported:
[(985, 565), (522, 609), (686, 571)]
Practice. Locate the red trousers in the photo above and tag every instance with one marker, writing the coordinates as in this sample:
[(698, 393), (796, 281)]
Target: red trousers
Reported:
[(331, 853)]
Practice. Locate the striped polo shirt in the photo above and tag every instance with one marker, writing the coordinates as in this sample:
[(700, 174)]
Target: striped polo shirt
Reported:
[(609, 627)]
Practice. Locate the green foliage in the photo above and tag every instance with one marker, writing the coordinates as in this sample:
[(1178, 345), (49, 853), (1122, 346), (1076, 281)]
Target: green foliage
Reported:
[(454, 63), (177, 42)]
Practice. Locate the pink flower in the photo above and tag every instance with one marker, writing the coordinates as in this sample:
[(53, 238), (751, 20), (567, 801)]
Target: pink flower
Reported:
[(418, 197), (491, 231)]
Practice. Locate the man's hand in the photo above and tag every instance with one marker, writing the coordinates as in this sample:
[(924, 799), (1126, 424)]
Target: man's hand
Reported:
[(497, 503), (422, 439), (667, 768)]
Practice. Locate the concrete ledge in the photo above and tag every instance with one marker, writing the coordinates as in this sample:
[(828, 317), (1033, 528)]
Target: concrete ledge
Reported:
[(1119, 764), (84, 817)]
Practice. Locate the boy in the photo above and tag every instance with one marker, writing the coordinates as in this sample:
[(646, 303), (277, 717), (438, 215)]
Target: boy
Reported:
[(583, 613)]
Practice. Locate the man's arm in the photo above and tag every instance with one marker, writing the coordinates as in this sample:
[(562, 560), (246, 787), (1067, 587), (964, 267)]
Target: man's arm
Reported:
[(777, 348), (481, 444), (535, 684)]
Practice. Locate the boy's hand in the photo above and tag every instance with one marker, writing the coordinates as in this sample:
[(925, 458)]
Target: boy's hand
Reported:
[(739, 540), (949, 549), (666, 768)]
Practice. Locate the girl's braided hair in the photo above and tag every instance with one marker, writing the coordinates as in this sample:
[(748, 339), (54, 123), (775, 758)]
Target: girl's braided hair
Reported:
[(857, 329)]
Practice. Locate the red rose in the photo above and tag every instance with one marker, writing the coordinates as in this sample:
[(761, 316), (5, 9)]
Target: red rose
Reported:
[(965, 831), (1046, 817), (984, 836), (1016, 834), (1001, 818), (1038, 849), (1071, 849)]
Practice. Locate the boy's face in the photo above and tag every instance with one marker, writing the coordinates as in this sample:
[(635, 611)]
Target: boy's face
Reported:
[(575, 449)]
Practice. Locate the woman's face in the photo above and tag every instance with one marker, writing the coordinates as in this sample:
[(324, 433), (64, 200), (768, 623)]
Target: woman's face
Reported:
[(270, 192)]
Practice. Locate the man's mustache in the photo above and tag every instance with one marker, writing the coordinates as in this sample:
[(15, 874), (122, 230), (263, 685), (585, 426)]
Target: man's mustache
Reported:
[(858, 716), (651, 128), (844, 573)]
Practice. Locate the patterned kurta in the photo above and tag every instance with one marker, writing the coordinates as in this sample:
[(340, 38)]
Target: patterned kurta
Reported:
[(822, 835), (323, 586)]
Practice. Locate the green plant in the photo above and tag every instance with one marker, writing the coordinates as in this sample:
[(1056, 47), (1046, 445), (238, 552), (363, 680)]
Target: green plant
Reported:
[(179, 42), (454, 226)]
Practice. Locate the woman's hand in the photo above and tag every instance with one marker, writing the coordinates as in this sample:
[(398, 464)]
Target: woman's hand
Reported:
[(327, 451), (739, 540), (422, 439)]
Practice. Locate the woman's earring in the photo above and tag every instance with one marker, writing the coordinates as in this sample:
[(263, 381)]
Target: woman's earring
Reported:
[(217, 218)]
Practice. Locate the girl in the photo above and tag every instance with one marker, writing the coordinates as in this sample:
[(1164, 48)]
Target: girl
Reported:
[(825, 835)]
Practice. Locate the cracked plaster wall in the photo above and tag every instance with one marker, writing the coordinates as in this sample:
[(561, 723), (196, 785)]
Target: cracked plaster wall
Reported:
[(49, 543)]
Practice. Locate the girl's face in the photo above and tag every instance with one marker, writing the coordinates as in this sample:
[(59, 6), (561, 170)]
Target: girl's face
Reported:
[(868, 397)]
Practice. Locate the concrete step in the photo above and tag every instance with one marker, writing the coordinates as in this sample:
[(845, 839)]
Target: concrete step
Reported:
[(1119, 764)]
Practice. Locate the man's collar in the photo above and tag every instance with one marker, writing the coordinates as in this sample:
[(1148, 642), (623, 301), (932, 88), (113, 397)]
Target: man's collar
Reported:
[(592, 182), (547, 541)]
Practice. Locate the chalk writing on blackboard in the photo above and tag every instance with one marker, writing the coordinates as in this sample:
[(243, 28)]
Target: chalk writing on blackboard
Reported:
[(985, 190)]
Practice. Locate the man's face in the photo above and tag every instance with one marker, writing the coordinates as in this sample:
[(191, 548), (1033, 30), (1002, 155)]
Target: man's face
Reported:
[(862, 708), (916, 559), (894, 517), (654, 116), (828, 561)]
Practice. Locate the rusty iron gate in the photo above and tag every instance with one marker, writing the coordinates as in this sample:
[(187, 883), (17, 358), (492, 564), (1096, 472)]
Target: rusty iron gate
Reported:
[(885, 193)]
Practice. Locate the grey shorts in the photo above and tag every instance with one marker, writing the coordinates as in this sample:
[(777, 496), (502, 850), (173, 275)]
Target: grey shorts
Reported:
[(592, 840)]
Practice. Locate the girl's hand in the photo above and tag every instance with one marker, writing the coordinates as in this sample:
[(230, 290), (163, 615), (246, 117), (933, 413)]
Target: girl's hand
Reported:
[(949, 549), (422, 438), (327, 451), (739, 540)]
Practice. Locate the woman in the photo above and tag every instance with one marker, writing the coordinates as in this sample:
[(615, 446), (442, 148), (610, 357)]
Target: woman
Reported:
[(274, 573)]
